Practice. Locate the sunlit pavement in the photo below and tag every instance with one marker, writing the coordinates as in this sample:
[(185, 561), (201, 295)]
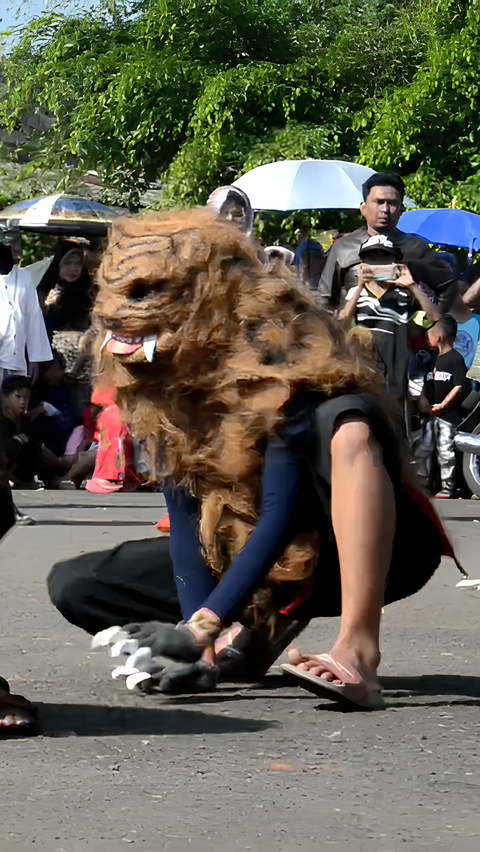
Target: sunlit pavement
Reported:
[(263, 766)]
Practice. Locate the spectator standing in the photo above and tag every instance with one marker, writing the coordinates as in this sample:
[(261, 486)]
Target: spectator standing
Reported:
[(23, 338), (310, 260), (445, 387), (382, 207)]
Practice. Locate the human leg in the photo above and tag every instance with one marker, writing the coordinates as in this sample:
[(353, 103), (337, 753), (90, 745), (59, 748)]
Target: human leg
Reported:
[(445, 435), (363, 519), (7, 509)]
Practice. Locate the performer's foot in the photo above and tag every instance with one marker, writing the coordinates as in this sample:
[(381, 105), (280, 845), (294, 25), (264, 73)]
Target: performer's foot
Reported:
[(346, 658), (349, 673)]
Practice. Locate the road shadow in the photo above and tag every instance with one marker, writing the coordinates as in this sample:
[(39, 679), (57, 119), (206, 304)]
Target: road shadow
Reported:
[(85, 720), (282, 687), (434, 684)]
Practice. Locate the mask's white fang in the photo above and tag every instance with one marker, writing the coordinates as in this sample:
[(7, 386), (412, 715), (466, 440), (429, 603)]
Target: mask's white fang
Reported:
[(149, 345), (108, 337)]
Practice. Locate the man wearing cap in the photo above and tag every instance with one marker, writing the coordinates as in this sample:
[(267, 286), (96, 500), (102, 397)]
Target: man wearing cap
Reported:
[(22, 327), (382, 207)]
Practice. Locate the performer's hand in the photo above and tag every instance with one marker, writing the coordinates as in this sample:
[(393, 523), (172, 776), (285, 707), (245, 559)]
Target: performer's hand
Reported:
[(165, 640)]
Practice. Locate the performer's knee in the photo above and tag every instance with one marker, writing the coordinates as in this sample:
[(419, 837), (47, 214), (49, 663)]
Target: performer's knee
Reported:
[(67, 590)]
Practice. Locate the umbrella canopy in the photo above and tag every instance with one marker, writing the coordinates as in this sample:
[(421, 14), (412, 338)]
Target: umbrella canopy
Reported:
[(11, 215), (305, 185), (445, 227), (61, 214)]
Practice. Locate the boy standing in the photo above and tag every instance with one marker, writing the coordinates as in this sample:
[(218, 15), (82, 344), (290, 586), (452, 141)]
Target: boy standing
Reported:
[(445, 386)]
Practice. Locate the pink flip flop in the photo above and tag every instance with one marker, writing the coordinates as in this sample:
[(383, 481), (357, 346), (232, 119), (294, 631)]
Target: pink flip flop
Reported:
[(354, 691)]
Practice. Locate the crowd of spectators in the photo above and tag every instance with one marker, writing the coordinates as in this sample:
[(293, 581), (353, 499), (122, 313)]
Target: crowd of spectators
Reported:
[(55, 434)]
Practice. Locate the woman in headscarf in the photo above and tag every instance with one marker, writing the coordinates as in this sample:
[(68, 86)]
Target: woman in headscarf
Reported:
[(233, 205), (65, 291)]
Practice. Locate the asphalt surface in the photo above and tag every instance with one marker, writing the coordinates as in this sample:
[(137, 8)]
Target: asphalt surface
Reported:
[(266, 766)]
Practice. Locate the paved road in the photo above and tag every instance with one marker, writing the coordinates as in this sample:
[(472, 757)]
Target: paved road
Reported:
[(261, 767)]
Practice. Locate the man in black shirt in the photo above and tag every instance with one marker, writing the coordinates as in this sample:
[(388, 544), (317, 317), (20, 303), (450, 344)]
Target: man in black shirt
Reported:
[(446, 385)]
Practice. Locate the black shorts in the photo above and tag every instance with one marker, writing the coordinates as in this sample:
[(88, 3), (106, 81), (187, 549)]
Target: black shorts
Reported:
[(417, 545)]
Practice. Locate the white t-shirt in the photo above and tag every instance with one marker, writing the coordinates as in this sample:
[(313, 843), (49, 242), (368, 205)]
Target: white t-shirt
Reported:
[(22, 327)]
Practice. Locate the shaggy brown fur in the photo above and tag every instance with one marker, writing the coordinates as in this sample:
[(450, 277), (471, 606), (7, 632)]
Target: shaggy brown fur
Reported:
[(234, 344)]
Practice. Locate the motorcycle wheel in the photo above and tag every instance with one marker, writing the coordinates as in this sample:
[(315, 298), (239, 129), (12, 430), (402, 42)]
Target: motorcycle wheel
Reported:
[(471, 468)]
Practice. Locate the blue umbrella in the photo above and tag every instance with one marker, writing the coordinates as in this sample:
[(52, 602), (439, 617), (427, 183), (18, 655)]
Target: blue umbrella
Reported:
[(446, 227)]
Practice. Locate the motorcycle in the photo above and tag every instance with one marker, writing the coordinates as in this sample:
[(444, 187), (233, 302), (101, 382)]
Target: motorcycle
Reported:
[(467, 442)]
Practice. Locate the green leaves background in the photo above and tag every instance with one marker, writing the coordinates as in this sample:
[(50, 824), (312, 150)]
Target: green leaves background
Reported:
[(196, 92)]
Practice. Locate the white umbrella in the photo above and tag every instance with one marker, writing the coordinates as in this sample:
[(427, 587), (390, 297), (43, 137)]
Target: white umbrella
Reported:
[(306, 185)]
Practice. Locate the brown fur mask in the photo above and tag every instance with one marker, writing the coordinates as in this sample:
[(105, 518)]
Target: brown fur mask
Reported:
[(231, 343)]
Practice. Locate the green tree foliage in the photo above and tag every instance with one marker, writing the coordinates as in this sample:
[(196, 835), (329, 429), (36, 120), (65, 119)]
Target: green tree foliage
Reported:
[(430, 125), (196, 92)]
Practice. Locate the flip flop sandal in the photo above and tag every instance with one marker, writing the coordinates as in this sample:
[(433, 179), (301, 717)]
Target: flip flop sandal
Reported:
[(16, 719), (356, 694)]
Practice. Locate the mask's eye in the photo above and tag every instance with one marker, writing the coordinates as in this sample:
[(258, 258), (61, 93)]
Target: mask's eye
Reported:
[(139, 292)]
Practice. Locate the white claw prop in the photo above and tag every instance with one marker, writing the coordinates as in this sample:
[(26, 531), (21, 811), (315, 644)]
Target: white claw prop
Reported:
[(108, 337), (108, 637), (125, 647), (123, 671), (149, 345), (135, 678), (140, 659)]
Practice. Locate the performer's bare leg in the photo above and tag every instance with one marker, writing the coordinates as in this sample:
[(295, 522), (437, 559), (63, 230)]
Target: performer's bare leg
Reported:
[(363, 517)]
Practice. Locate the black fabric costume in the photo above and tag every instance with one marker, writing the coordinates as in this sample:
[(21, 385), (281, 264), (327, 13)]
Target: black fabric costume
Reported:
[(135, 582)]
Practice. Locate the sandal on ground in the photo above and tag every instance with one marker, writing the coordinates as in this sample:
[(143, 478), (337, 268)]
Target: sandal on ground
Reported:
[(17, 716), (353, 691)]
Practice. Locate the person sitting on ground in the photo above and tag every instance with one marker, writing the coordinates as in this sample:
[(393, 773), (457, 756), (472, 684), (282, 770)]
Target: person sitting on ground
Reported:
[(31, 461), (51, 407), (114, 459)]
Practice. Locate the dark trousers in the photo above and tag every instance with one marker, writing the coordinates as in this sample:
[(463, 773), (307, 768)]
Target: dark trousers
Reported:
[(7, 509), (132, 582)]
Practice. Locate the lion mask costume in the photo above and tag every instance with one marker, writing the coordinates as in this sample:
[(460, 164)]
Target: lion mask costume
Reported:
[(206, 346)]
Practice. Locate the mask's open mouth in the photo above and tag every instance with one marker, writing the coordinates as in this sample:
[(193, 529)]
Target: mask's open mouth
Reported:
[(120, 344)]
